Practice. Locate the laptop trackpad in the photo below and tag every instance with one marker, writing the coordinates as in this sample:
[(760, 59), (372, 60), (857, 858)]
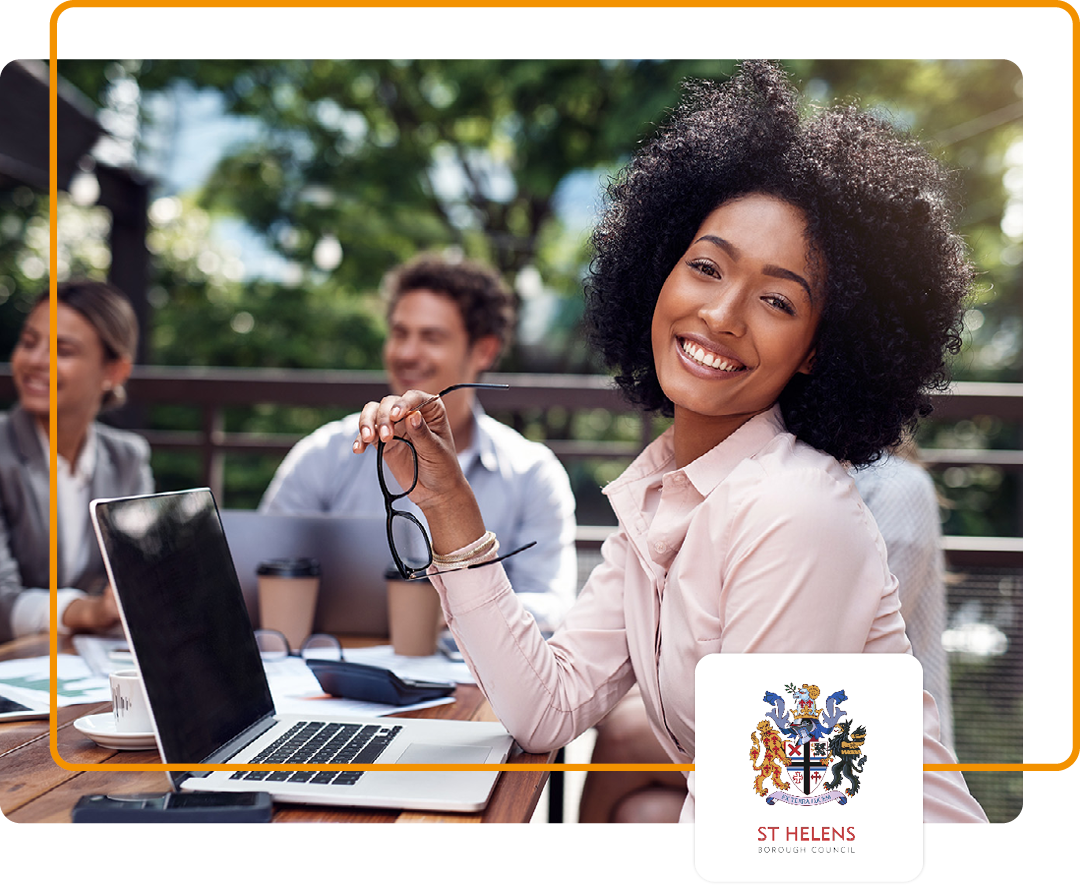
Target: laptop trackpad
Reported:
[(446, 790), (443, 754)]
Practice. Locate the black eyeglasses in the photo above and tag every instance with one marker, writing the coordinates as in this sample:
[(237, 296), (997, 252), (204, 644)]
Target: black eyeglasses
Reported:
[(410, 544), (273, 646)]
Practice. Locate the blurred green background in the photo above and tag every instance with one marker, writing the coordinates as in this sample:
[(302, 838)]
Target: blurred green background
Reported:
[(284, 189)]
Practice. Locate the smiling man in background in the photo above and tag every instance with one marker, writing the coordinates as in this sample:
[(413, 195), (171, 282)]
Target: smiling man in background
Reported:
[(448, 323)]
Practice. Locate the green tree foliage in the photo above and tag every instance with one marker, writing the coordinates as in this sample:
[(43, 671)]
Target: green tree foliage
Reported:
[(359, 148), (19, 209), (390, 157), (376, 160), (24, 252)]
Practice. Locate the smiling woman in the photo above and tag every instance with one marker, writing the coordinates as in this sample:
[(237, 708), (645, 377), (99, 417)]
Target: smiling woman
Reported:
[(752, 278), (871, 199), (735, 319), (96, 336)]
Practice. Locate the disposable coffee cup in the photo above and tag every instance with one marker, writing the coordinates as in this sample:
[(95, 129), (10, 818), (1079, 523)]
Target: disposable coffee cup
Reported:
[(415, 615), (288, 592), (130, 710)]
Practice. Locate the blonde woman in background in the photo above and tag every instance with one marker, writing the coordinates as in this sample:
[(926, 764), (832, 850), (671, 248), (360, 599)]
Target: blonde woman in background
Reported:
[(97, 333)]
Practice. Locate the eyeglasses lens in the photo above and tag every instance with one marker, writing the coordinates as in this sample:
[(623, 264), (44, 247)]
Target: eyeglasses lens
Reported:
[(321, 647), (410, 541), (272, 644)]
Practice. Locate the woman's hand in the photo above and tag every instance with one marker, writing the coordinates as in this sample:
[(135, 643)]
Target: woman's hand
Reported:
[(420, 418), (92, 614), (441, 491)]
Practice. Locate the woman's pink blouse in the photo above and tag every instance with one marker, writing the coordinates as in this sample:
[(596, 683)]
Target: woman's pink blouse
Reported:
[(761, 545)]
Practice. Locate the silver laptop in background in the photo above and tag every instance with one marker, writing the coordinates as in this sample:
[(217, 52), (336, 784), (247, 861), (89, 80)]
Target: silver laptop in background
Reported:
[(353, 556), (192, 641)]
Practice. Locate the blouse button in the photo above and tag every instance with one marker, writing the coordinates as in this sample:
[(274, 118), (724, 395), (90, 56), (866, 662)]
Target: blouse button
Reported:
[(661, 547)]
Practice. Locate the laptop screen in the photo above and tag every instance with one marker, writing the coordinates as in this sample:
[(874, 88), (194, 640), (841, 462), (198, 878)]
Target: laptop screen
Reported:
[(186, 619)]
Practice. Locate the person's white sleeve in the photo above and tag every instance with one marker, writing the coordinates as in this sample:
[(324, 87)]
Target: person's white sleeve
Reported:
[(30, 613)]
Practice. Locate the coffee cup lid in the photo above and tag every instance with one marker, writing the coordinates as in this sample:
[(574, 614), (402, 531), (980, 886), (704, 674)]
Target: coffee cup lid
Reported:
[(288, 567)]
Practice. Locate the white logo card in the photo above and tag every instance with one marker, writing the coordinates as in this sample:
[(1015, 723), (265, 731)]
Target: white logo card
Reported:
[(808, 767)]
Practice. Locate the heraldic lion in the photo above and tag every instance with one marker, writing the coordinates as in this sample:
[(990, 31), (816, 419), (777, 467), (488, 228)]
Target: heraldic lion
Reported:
[(848, 748), (770, 768)]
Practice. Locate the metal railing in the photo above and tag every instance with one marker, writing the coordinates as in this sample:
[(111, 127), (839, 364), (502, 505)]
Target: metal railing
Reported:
[(212, 390)]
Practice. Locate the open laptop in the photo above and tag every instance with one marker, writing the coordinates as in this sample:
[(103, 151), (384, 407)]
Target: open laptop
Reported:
[(352, 553), (192, 641)]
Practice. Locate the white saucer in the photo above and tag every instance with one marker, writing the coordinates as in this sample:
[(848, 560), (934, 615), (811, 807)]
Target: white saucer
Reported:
[(101, 728)]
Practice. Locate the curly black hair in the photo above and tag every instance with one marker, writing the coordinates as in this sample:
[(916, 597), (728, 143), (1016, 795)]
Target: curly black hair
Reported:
[(879, 212)]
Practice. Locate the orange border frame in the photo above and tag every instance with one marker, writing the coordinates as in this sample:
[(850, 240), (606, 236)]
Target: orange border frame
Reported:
[(63, 763)]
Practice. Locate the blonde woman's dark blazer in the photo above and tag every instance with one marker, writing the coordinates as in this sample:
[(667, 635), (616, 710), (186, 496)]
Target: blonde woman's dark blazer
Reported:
[(122, 468)]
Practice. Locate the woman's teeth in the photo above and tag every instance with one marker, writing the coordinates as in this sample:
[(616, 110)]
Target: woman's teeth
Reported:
[(36, 383), (708, 358)]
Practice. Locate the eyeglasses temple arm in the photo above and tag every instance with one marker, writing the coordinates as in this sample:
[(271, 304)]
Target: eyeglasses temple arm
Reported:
[(446, 391)]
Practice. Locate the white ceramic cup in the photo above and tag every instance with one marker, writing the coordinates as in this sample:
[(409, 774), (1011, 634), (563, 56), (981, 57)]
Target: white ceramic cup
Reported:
[(130, 710)]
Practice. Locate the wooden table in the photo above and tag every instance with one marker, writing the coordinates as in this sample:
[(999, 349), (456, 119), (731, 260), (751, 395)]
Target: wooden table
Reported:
[(34, 789)]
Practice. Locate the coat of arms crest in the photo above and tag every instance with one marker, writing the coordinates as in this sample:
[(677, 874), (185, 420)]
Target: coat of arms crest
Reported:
[(794, 749)]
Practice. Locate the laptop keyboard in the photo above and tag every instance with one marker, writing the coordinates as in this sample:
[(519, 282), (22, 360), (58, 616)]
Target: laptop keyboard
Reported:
[(322, 743)]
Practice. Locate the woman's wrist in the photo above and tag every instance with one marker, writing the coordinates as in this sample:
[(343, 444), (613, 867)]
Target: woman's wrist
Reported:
[(484, 549), (454, 520)]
